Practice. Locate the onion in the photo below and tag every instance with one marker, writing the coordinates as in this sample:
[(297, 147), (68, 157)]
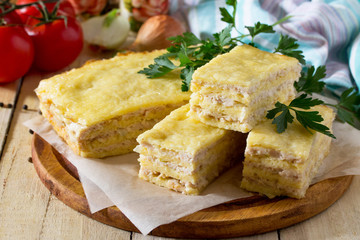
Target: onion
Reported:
[(154, 32), (108, 37)]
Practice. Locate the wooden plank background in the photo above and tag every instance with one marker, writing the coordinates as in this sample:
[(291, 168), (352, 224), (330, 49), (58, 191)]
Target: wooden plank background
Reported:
[(29, 211)]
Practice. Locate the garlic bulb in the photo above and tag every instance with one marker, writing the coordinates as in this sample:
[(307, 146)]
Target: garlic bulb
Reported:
[(107, 35), (155, 31)]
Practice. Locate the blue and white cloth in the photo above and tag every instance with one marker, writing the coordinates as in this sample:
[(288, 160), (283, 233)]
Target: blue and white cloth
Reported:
[(327, 30)]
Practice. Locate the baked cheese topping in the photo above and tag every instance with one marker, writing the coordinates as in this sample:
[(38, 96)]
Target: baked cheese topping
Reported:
[(295, 142), (181, 133), (106, 89), (243, 66)]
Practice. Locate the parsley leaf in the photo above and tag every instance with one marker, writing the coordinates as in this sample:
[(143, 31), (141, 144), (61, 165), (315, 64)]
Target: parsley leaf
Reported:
[(309, 82), (283, 119), (282, 20), (187, 39), (309, 119), (194, 53), (224, 37), (259, 28), (287, 46), (162, 66), (226, 16), (186, 75), (231, 3), (348, 109), (305, 103)]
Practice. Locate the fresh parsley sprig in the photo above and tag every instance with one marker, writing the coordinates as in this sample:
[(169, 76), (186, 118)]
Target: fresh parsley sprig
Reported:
[(310, 81), (257, 29), (308, 119), (348, 107), (253, 30), (226, 16), (288, 46), (161, 66), (262, 28), (192, 53)]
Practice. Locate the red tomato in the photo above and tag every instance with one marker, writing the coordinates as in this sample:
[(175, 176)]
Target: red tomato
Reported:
[(56, 44), (11, 18), (16, 53), (65, 8)]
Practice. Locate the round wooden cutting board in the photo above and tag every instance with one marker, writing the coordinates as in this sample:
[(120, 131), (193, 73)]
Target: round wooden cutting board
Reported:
[(240, 217)]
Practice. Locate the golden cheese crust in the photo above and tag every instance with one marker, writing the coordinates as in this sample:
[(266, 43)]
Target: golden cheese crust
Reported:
[(179, 132), (104, 89), (285, 164), (185, 155), (100, 108), (243, 67), (235, 90), (295, 141)]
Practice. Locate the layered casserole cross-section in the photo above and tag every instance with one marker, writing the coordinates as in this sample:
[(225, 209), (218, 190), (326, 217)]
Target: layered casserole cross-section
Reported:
[(185, 155), (285, 164), (100, 108), (235, 90)]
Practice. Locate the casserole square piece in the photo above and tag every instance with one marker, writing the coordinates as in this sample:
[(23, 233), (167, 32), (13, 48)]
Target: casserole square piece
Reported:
[(100, 108), (235, 90), (284, 164), (185, 155)]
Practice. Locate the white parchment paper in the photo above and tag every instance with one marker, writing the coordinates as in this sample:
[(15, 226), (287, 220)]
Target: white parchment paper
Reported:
[(114, 181)]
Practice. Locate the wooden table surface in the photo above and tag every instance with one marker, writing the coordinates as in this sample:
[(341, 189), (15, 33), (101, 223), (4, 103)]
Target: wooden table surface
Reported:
[(29, 211)]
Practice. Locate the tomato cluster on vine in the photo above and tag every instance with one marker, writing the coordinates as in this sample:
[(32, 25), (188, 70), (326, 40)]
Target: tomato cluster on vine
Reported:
[(44, 35)]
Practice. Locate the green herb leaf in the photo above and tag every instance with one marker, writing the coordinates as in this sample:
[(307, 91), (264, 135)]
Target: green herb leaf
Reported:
[(311, 120), (305, 102), (186, 75), (281, 120), (287, 46), (224, 37), (184, 59), (350, 99), (231, 2), (259, 28), (308, 119), (188, 39), (194, 53), (284, 19), (110, 17), (226, 16), (348, 109), (309, 82), (162, 66)]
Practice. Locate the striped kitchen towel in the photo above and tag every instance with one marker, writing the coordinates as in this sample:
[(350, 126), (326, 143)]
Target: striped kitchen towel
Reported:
[(327, 30)]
